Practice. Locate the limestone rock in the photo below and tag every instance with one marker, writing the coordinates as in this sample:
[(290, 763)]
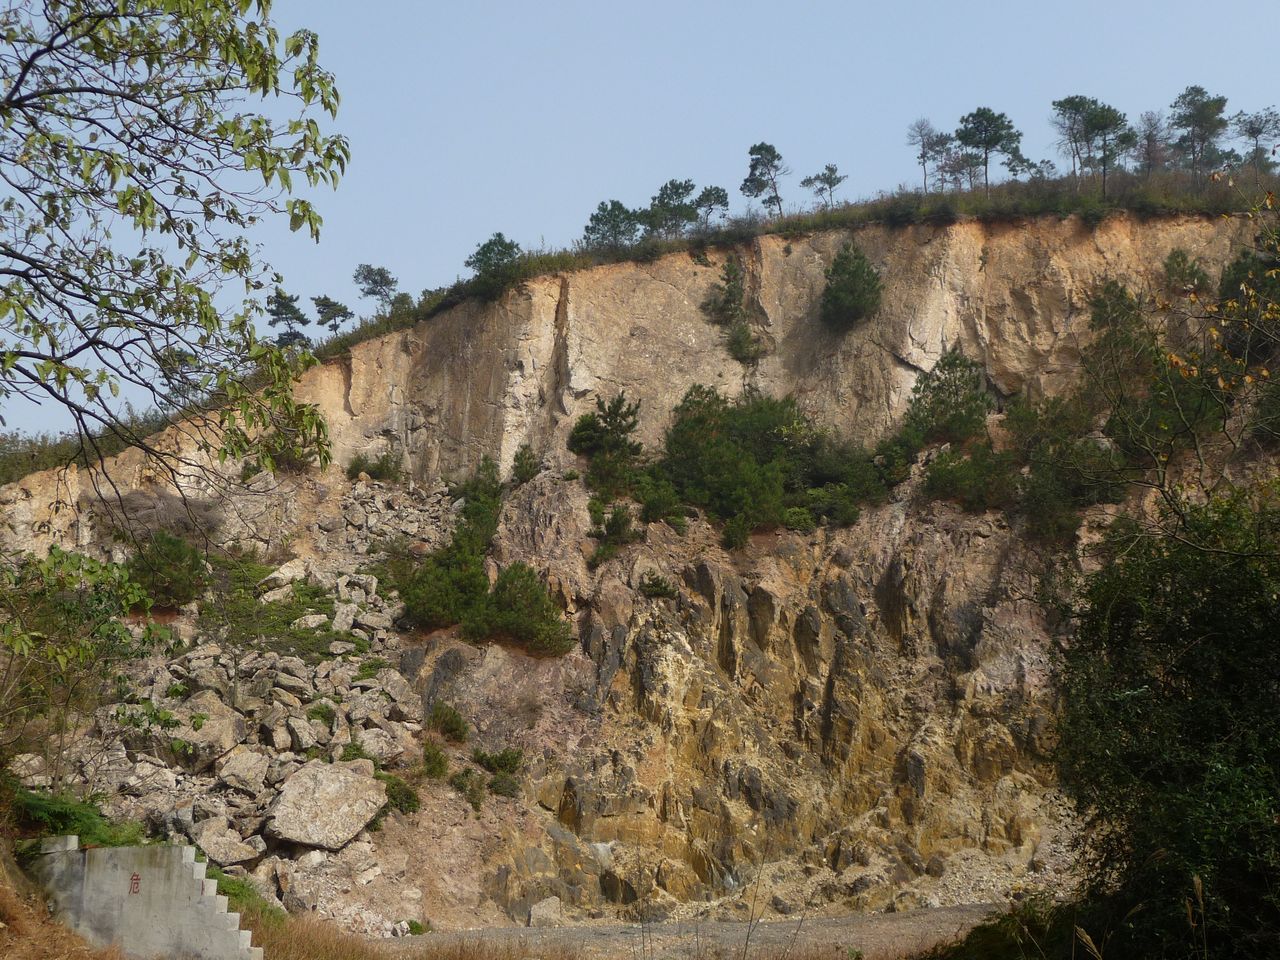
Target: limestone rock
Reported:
[(546, 913), (223, 845), (325, 805), (207, 729), (244, 769), (296, 569)]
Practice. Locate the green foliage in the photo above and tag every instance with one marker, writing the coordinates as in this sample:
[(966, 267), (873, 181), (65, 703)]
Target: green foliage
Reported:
[(416, 929), (503, 784), (612, 228), (170, 570), (434, 762), (507, 760), (824, 184), (852, 292), (672, 210), (240, 620), (521, 609), (385, 467), (1169, 738), (526, 465), (331, 314), (323, 713), (283, 310), (471, 785), (726, 303), (799, 519), (1183, 275), (747, 461), (369, 669), (614, 531), (762, 177), (46, 814), (605, 436), (659, 501), (657, 587), (243, 898), (400, 795), (448, 722), (353, 751), (949, 404), (63, 642), (743, 345), (496, 264), (986, 132), (376, 283), (129, 219), (978, 480)]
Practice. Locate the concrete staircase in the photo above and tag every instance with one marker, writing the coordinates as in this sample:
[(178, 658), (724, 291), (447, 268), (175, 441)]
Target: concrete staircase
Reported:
[(149, 901)]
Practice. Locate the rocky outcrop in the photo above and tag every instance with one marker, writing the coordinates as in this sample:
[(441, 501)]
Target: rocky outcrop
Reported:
[(848, 719)]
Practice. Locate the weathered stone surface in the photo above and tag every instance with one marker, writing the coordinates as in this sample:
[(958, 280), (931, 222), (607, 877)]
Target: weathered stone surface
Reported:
[(325, 805), (546, 913), (344, 617), (288, 573), (207, 728), (312, 621), (223, 845), (244, 769)]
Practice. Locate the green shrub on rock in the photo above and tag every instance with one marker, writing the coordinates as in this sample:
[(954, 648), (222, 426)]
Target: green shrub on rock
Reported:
[(853, 289)]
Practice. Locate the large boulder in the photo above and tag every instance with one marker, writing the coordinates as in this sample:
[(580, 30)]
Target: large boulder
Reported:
[(223, 845), (244, 769), (326, 804), (207, 729)]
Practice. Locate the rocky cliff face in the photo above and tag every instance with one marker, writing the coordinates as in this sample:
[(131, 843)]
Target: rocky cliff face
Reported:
[(851, 718)]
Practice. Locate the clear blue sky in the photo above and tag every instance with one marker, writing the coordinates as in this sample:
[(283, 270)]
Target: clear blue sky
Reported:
[(468, 118)]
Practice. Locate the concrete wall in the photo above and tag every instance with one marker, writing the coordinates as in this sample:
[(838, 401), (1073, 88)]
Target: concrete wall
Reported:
[(149, 901)]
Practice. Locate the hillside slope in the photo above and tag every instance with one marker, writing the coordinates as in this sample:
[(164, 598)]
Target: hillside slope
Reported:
[(851, 718)]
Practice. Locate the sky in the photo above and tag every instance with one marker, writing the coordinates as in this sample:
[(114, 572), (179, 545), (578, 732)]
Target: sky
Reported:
[(470, 118)]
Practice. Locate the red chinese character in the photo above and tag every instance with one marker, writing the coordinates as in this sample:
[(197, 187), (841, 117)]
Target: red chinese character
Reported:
[(135, 884)]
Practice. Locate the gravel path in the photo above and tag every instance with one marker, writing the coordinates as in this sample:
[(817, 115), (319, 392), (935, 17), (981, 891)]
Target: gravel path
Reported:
[(878, 936)]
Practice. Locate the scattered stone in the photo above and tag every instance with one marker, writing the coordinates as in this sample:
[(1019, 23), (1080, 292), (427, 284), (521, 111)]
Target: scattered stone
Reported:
[(312, 621), (344, 617), (244, 769), (296, 569), (207, 728)]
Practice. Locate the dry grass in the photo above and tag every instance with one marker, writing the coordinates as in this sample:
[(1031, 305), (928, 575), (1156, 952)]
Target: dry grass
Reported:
[(26, 933)]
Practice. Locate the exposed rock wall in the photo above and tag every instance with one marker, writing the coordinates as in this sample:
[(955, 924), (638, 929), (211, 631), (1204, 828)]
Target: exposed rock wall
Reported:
[(850, 718)]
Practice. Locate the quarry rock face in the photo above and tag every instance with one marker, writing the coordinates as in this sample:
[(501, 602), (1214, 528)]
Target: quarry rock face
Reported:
[(850, 719)]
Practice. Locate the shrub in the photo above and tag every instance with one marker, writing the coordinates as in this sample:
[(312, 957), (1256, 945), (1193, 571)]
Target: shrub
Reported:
[(353, 751), (386, 467), (171, 570), (369, 669), (949, 404), (613, 532), (655, 586), (526, 466), (448, 722), (400, 795), (507, 760), (322, 712), (50, 814), (852, 292), (522, 609), (496, 263), (980, 480), (743, 345), (504, 785), (471, 785), (608, 429), (434, 763), (800, 519), (659, 501), (725, 305), (1183, 275)]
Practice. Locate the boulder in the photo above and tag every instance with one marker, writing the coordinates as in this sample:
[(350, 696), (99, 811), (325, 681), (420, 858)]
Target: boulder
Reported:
[(326, 805), (380, 745), (223, 845), (546, 913), (296, 569), (312, 621), (344, 616), (208, 728), (244, 769)]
